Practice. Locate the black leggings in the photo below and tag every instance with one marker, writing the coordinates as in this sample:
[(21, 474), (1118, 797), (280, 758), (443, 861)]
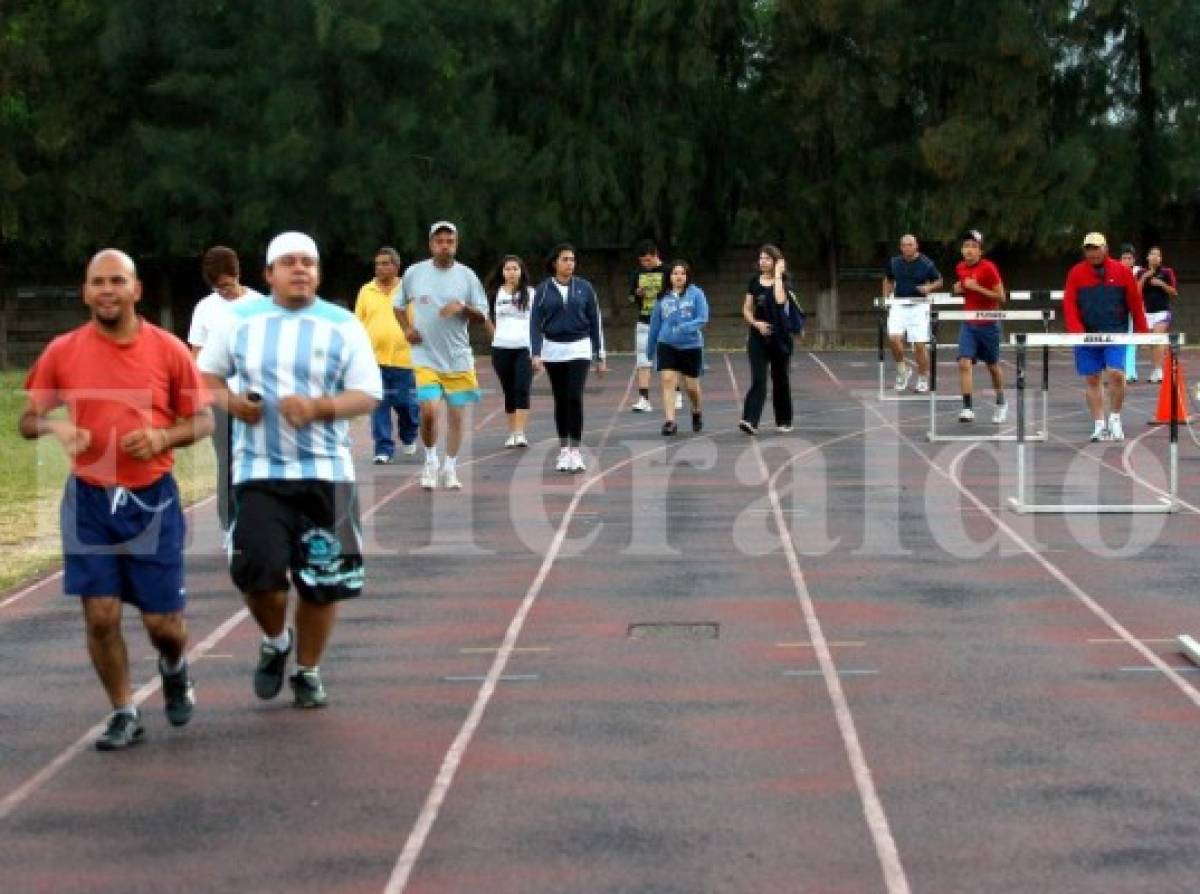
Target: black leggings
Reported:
[(515, 372), (567, 378), (763, 354)]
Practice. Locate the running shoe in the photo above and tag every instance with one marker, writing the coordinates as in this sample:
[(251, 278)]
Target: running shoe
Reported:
[(409, 449), (784, 429), (1116, 432), (678, 400), (641, 406), (124, 729), (429, 476), (1000, 414), (577, 463), (381, 459), (697, 422), (922, 385), (519, 440), (450, 478), (966, 414), (669, 427), (272, 663), (179, 695), (511, 442), (1099, 433), (748, 428), (307, 688), (1155, 377), (564, 460), (903, 374)]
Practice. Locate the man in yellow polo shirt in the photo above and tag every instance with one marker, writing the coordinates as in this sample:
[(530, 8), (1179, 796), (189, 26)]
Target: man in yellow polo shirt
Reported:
[(374, 308)]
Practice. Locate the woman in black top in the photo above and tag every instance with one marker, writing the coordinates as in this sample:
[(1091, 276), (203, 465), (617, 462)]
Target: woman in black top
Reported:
[(769, 343), (1159, 287)]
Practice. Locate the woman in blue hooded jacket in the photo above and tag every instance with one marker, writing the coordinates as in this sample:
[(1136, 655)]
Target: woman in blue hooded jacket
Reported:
[(676, 342)]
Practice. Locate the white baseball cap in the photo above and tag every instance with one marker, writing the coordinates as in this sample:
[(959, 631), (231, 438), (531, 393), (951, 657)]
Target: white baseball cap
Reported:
[(443, 225), (291, 243)]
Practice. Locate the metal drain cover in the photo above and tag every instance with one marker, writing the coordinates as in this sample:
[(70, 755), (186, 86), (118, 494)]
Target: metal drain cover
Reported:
[(675, 630)]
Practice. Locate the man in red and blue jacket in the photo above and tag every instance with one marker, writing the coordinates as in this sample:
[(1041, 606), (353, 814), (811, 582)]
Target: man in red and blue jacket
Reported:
[(1101, 296)]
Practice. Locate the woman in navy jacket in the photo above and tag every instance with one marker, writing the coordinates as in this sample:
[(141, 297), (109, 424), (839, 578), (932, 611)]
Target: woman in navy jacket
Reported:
[(565, 336)]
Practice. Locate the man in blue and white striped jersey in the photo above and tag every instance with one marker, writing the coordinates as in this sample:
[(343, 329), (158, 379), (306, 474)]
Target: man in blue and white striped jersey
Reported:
[(306, 368)]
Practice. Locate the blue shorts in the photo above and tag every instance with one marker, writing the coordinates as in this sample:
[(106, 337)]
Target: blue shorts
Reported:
[(124, 542), (1091, 359), (979, 342)]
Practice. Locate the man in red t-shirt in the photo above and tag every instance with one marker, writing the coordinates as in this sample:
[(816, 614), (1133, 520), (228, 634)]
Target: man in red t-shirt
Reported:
[(1102, 296), (982, 289), (132, 394)]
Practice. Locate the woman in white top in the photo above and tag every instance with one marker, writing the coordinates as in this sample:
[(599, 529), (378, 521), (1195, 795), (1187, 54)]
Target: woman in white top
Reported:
[(510, 303)]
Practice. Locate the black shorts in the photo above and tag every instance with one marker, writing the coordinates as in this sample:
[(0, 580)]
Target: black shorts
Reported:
[(308, 528), (685, 361)]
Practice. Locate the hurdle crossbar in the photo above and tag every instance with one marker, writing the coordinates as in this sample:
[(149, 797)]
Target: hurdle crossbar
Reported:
[(937, 299), (1046, 340), (1036, 295), (1042, 316)]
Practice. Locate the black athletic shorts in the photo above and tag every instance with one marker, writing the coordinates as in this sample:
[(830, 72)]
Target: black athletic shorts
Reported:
[(309, 529), (686, 361)]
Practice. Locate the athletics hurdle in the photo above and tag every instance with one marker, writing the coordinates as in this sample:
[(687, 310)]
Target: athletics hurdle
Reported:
[(883, 304), (1045, 316), (1169, 503)]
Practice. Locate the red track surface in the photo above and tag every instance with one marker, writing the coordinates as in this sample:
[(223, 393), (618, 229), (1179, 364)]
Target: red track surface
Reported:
[(910, 689)]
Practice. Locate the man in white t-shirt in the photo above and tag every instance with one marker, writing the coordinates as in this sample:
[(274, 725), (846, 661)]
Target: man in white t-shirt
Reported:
[(222, 272)]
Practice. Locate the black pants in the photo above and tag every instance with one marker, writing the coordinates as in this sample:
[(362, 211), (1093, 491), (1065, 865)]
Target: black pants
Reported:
[(515, 372), (567, 378), (222, 439), (764, 354)]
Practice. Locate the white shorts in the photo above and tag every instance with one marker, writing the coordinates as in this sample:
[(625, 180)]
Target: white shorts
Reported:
[(1157, 317), (909, 320), (641, 334)]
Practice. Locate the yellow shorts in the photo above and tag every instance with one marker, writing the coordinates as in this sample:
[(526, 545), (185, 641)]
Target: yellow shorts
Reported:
[(456, 388)]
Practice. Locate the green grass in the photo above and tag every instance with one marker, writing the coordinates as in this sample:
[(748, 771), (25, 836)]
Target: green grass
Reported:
[(31, 480)]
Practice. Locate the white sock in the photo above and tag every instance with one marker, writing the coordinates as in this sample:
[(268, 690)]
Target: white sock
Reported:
[(316, 668), (450, 463), (126, 709), (431, 456), (280, 643), (1099, 424)]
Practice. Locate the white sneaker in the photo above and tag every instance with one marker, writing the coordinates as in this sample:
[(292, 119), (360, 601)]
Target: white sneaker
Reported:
[(511, 442), (903, 374), (1115, 430), (381, 459), (450, 478), (966, 414), (922, 385), (1099, 433), (641, 406), (576, 460), (564, 460), (519, 440), (429, 476), (784, 429), (1000, 414), (678, 400), (1155, 377), (409, 449)]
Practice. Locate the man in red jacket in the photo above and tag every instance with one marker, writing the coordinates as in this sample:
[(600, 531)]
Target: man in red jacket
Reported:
[(1100, 296)]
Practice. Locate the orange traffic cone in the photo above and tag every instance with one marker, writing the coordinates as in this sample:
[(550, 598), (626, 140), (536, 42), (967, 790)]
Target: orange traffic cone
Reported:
[(1162, 415)]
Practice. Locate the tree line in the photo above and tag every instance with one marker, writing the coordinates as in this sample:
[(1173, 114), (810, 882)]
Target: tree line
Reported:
[(829, 125)]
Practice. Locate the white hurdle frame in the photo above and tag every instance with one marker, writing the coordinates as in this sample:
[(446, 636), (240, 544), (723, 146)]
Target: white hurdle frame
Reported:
[(934, 299), (1044, 316), (1020, 503)]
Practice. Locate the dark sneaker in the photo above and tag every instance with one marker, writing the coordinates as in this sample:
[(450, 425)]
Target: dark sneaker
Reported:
[(669, 428), (123, 730), (306, 685), (748, 427), (179, 694), (268, 676), (697, 422)]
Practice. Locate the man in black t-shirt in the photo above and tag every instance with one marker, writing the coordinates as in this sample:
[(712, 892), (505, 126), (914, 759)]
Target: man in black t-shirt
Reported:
[(646, 286)]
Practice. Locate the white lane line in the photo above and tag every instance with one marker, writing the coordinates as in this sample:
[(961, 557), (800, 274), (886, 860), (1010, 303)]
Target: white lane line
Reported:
[(1113, 641), (846, 644), (452, 760), (17, 796), (480, 678), (20, 794), (841, 672), (1105, 617), (877, 821)]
